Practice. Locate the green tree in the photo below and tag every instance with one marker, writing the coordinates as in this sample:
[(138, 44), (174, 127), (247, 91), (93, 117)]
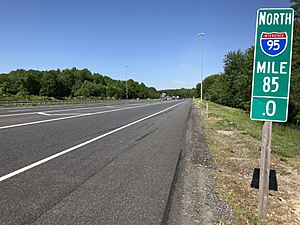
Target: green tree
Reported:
[(88, 89), (296, 7), (113, 91), (207, 82), (294, 103), (233, 87), (234, 64), (48, 84), (69, 83)]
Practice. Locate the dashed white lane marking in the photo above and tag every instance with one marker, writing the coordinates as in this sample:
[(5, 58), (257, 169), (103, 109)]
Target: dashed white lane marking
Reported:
[(74, 116), (12, 174), (56, 110), (57, 114), (64, 110), (43, 114)]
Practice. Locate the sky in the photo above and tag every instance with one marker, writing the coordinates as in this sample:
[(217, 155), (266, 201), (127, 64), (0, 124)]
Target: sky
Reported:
[(157, 39)]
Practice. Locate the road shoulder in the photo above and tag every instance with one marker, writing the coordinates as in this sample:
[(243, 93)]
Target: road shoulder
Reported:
[(195, 201)]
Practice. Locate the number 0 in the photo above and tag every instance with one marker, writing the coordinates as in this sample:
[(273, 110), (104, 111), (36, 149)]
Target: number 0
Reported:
[(270, 110)]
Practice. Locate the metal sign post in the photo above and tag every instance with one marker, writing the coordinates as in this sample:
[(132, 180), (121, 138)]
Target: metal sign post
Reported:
[(271, 83)]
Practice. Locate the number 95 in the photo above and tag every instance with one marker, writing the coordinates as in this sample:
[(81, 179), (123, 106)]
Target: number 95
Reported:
[(273, 44)]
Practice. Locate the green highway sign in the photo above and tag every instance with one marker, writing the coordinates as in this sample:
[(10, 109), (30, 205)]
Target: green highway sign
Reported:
[(272, 64)]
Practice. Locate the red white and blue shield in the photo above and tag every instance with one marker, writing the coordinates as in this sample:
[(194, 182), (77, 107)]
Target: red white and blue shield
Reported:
[(273, 43)]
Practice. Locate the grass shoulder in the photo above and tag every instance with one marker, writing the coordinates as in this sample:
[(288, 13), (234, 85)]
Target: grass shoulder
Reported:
[(234, 142)]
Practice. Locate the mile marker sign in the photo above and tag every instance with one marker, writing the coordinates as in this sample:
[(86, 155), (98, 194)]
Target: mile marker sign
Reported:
[(272, 64)]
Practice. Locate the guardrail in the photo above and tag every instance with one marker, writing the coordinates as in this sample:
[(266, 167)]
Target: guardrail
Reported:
[(56, 102), (50, 102)]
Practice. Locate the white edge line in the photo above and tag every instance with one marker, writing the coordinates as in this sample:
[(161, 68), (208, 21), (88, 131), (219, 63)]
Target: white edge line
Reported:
[(71, 117), (35, 164)]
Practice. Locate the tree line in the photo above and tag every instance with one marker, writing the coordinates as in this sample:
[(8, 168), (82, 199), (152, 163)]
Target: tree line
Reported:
[(233, 86), (182, 93), (76, 83), (70, 83)]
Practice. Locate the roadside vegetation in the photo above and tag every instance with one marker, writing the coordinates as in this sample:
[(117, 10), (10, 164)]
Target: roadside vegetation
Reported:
[(233, 86), (234, 142), (68, 83), (285, 139), (35, 85)]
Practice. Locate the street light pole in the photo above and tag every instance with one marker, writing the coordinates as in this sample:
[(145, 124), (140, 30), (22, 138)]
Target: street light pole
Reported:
[(201, 55), (126, 83)]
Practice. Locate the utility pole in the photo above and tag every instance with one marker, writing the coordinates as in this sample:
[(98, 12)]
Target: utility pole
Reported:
[(201, 55), (126, 67)]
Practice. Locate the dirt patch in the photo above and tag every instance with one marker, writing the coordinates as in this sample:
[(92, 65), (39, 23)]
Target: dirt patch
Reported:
[(195, 200), (236, 154)]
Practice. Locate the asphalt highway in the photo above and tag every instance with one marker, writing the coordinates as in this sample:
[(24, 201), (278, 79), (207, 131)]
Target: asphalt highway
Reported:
[(90, 164)]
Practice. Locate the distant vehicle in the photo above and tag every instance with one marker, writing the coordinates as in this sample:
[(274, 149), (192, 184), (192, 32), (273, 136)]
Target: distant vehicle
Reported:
[(163, 96)]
